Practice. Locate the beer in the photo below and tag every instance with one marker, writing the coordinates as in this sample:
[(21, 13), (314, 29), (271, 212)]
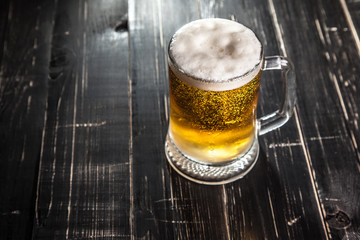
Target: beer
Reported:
[(215, 67), (214, 79)]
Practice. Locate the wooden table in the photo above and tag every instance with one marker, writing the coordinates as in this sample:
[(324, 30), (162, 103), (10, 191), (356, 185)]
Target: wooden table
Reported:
[(83, 119)]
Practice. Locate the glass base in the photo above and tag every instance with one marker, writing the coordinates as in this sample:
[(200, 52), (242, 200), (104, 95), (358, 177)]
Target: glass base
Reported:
[(211, 174)]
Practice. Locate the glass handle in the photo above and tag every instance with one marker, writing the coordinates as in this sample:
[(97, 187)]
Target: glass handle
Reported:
[(278, 118)]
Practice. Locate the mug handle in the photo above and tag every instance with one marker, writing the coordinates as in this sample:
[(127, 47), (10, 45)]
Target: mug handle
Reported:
[(278, 118)]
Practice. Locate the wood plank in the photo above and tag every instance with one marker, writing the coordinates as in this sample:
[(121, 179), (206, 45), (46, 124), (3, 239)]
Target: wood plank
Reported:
[(324, 50), (103, 173), (351, 9), (24, 50), (83, 188), (165, 206), (282, 177), (176, 208), (152, 214)]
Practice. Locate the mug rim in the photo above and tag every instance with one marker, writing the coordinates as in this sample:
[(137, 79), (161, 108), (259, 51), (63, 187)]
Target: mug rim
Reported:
[(210, 84)]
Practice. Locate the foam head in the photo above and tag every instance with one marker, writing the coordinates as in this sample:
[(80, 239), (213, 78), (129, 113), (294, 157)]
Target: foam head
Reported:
[(215, 54)]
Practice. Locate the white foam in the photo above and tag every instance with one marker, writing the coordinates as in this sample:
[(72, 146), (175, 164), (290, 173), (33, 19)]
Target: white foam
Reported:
[(220, 54)]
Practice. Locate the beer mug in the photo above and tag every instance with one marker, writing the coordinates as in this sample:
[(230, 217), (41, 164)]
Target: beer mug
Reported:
[(215, 67)]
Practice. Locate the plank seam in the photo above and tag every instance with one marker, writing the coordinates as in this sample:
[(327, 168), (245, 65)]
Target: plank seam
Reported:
[(37, 220), (351, 25), (226, 214), (272, 214), (199, 8), (357, 44), (40, 166), (312, 174), (72, 156), (345, 112), (131, 158), (300, 131)]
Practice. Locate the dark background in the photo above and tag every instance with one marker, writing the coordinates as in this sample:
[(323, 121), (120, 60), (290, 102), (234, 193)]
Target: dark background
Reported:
[(83, 119)]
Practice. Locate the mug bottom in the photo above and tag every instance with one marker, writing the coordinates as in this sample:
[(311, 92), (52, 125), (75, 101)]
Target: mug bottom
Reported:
[(211, 174)]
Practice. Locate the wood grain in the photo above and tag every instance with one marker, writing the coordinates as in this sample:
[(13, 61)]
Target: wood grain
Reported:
[(328, 111), (84, 115), (83, 188), (284, 164), (153, 199), (166, 206), (24, 50), (351, 9), (222, 211)]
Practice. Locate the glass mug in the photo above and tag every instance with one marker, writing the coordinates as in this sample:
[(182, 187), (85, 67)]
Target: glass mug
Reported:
[(215, 67)]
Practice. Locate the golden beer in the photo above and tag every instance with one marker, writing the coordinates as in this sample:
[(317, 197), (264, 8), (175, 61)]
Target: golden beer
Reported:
[(215, 67), (212, 126), (214, 79)]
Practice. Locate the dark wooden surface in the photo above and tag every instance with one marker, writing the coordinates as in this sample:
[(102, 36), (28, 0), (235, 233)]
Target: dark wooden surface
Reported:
[(83, 117)]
